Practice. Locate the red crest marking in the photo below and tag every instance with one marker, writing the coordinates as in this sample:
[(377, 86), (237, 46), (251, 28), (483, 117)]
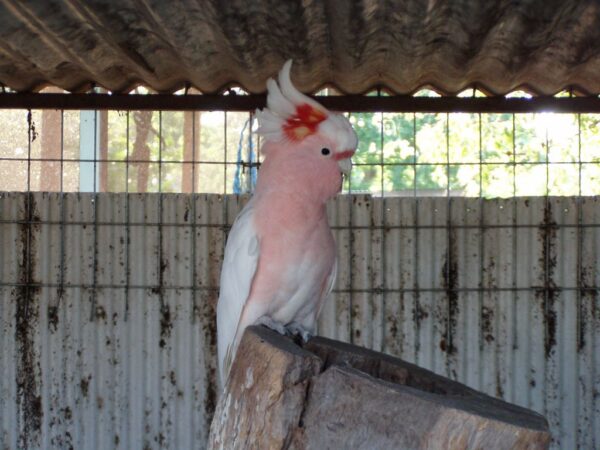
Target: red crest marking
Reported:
[(304, 122)]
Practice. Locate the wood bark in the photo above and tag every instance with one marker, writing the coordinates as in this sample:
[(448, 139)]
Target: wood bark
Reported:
[(50, 179), (141, 150), (327, 394), (191, 142)]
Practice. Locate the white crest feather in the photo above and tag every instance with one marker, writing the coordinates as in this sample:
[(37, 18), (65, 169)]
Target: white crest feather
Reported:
[(270, 126), (276, 101), (282, 100), (293, 94)]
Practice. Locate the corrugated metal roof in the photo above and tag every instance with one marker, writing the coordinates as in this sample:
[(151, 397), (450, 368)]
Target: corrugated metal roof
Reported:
[(544, 45)]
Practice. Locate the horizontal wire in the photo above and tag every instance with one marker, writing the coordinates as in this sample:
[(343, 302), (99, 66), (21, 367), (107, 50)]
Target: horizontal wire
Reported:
[(354, 164), (119, 161), (507, 226), (534, 288)]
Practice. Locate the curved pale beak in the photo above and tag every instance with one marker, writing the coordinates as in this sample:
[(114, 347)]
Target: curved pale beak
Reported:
[(344, 161)]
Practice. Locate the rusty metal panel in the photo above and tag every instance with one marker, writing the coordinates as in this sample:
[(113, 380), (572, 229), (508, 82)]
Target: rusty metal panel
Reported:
[(107, 307), (106, 344), (499, 294)]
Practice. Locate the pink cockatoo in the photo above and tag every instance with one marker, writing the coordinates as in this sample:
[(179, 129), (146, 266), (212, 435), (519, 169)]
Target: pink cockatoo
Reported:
[(280, 258)]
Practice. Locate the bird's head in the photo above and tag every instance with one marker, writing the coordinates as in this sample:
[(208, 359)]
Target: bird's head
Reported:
[(302, 130)]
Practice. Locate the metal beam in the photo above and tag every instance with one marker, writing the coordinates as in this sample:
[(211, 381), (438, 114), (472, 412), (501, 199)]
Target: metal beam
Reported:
[(351, 103)]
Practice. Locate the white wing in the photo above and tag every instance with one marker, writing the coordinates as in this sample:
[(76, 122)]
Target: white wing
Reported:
[(239, 267), (330, 281), (328, 288)]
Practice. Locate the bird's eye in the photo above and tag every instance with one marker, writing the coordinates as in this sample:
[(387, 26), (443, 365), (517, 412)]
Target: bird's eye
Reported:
[(325, 151)]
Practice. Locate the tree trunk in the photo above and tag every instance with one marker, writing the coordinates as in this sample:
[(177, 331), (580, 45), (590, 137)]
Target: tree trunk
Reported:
[(331, 395), (191, 141), (52, 146), (141, 150)]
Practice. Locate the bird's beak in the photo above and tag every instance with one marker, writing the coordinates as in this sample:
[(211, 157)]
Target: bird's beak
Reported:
[(344, 161), (345, 165)]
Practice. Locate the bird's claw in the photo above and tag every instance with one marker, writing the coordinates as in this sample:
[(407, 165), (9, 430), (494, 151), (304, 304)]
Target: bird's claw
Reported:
[(273, 325), (295, 329)]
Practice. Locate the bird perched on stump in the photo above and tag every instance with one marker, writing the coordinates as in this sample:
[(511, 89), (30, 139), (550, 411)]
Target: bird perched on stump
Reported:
[(280, 258)]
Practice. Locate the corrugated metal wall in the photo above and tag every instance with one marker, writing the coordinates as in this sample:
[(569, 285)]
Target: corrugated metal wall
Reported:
[(107, 332)]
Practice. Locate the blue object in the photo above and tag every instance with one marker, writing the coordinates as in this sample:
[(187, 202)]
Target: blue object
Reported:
[(89, 151), (241, 165)]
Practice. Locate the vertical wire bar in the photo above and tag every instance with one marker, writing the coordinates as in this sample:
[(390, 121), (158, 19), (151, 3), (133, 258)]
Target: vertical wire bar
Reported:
[(160, 161), (382, 255), (193, 153), (381, 172), (95, 220), (514, 257), (63, 219), (480, 299), (161, 262), (127, 221), (514, 157), (447, 132), (193, 223), (225, 159), (547, 161), (62, 249), (480, 159), (580, 282), (258, 161), (225, 221), (580, 162), (29, 214), (225, 226), (127, 152), (351, 252), (580, 337), (62, 148), (249, 154), (256, 155), (192, 198), (449, 253), (414, 143), (162, 266), (579, 313), (417, 313), (30, 138)]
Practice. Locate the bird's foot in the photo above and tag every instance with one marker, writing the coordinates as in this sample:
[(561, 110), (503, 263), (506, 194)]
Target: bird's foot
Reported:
[(272, 324), (295, 329)]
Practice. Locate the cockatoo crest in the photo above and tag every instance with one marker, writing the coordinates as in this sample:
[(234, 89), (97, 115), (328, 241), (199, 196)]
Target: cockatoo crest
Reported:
[(304, 122), (292, 116)]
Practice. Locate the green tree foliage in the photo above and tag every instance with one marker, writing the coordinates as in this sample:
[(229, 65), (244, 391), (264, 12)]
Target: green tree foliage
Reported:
[(488, 155), (216, 155)]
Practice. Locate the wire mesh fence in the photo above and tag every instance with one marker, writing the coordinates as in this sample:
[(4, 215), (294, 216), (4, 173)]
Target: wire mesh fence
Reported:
[(408, 154), (499, 293)]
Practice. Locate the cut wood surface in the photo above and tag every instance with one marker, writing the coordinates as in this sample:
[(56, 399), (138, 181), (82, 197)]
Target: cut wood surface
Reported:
[(327, 394)]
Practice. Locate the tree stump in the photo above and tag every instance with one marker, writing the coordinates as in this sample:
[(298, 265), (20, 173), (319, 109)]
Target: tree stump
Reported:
[(327, 394)]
